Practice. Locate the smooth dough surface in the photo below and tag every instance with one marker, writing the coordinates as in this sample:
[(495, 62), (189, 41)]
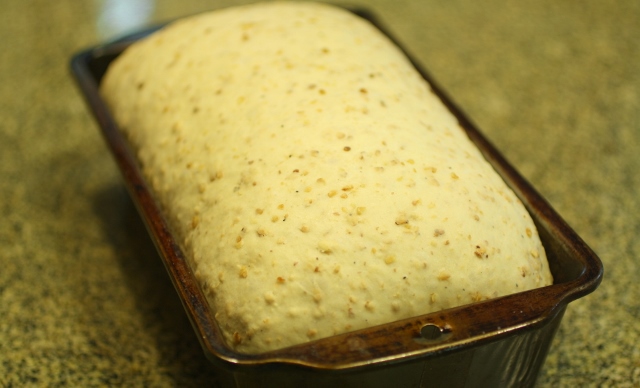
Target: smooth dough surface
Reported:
[(314, 181)]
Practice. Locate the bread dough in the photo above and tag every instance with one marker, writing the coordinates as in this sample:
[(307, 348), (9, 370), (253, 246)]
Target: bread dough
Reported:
[(312, 178)]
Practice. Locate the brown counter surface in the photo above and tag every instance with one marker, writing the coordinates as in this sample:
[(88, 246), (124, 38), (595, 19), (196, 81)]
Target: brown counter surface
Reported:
[(84, 298)]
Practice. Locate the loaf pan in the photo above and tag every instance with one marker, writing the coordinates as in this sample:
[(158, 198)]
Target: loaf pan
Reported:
[(497, 343)]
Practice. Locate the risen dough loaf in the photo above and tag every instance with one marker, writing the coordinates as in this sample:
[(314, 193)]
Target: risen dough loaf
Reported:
[(314, 181)]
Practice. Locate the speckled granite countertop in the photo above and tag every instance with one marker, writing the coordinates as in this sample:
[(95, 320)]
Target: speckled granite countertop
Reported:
[(84, 299)]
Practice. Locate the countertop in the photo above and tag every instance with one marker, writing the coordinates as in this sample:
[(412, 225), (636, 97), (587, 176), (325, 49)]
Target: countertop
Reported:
[(84, 298)]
